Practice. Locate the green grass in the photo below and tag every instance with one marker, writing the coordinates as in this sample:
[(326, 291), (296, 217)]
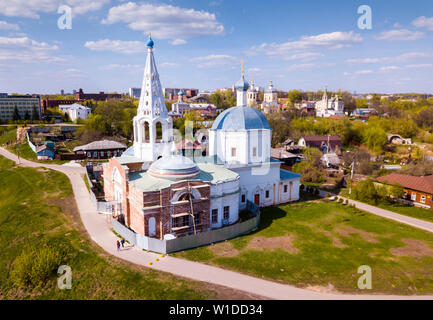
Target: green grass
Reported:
[(411, 211), (37, 207), (8, 135), (27, 153), (330, 241), (401, 208)]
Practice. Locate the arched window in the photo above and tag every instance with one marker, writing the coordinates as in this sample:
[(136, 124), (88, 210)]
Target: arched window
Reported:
[(158, 129), (186, 197), (146, 132)]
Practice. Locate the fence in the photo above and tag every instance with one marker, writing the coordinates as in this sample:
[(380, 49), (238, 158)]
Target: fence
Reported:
[(32, 146), (101, 206), (189, 241)]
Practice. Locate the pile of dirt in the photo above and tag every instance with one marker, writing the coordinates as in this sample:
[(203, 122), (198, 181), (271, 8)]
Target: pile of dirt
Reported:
[(284, 242), (366, 236), (414, 248), (224, 249)]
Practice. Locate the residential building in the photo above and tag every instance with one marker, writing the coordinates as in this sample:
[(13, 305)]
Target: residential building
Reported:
[(47, 103), (172, 93), (101, 96), (330, 160), (135, 92), (104, 149), (26, 104), (76, 111), (326, 144), (417, 190), (179, 108)]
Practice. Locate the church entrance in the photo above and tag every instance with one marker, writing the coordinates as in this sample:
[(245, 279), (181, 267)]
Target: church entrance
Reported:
[(257, 199)]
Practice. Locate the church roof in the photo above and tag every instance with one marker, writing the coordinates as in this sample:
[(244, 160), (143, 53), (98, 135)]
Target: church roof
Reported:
[(209, 172), (174, 167), (241, 118)]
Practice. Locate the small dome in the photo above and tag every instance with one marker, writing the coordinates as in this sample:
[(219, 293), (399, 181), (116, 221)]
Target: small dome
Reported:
[(174, 167), (242, 84), (150, 43), (241, 118)]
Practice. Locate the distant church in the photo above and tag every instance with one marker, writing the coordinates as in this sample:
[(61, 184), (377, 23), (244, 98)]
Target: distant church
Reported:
[(162, 194), (329, 106)]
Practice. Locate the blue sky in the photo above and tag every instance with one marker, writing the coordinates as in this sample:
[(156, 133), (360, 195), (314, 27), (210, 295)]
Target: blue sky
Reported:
[(298, 44)]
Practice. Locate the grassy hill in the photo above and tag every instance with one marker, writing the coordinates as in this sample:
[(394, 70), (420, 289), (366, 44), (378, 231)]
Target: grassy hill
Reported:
[(38, 215)]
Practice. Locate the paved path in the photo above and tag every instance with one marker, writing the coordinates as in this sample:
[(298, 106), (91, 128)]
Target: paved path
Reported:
[(97, 225), (414, 222)]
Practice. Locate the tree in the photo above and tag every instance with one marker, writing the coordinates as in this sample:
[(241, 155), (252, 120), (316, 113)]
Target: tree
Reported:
[(16, 115), (27, 115), (366, 191), (295, 96), (375, 139)]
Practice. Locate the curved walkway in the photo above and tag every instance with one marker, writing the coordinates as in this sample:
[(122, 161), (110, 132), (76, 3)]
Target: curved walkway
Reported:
[(98, 228)]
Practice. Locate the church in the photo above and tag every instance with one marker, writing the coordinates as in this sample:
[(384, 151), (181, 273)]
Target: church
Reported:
[(328, 107), (161, 194)]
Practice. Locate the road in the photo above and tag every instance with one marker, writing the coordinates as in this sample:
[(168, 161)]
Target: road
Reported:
[(97, 225)]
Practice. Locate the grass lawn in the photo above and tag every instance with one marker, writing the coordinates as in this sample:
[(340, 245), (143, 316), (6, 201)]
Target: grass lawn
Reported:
[(37, 207), (321, 244), (7, 135), (405, 209), (27, 153)]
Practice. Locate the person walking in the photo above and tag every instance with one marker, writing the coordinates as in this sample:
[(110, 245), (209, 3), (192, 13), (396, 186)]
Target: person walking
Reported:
[(118, 245), (122, 242)]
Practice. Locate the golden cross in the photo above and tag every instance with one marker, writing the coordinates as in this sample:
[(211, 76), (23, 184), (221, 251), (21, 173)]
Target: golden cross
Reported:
[(242, 62), (150, 35)]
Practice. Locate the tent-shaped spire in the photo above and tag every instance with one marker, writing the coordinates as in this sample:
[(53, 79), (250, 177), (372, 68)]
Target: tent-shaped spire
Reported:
[(152, 102)]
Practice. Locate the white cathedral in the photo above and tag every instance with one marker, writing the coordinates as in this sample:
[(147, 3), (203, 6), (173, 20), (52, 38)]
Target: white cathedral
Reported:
[(238, 169)]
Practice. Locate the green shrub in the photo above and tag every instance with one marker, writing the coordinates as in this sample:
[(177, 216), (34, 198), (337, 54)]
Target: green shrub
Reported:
[(328, 195), (346, 202), (35, 265), (340, 200), (317, 192)]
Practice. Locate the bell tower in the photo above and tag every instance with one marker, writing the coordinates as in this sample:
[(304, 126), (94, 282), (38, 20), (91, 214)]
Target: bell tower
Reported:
[(153, 127)]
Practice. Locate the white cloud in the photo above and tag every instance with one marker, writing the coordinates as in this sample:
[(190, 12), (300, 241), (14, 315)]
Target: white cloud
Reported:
[(32, 9), (399, 58), (177, 42), (165, 21), (333, 40), (423, 22), (169, 64), (27, 50), (389, 68), (305, 56), (397, 25), (361, 72), (421, 65), (8, 26), (125, 47), (254, 70), (128, 67), (214, 61), (400, 35), (301, 66)]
